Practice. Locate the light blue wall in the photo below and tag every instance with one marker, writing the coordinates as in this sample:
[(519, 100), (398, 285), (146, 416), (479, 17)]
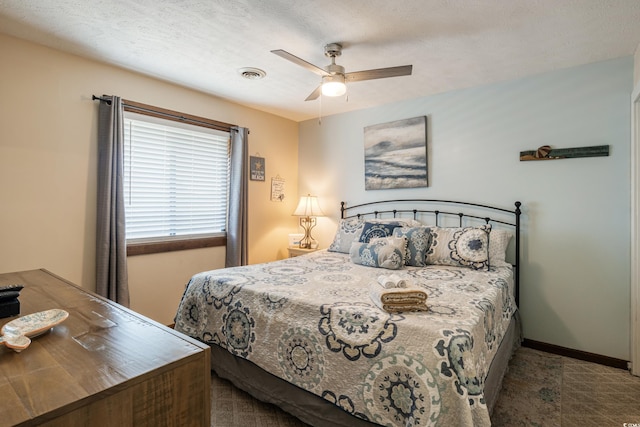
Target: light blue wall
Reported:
[(576, 269)]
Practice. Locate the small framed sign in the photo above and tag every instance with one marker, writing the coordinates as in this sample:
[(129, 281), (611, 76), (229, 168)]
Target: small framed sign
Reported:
[(277, 189), (257, 168)]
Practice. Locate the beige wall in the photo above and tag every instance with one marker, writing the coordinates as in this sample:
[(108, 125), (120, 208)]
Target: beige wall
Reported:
[(48, 161)]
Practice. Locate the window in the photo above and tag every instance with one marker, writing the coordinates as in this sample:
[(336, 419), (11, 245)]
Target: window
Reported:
[(175, 180)]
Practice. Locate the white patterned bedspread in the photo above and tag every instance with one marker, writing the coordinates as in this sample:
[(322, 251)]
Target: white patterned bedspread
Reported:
[(310, 321)]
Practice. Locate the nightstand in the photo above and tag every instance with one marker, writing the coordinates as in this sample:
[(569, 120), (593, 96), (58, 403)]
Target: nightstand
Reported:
[(297, 251)]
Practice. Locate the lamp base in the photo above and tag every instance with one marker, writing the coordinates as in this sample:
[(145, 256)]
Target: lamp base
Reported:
[(310, 245), (307, 223)]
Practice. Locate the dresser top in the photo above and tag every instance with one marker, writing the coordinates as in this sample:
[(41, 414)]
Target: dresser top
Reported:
[(101, 345)]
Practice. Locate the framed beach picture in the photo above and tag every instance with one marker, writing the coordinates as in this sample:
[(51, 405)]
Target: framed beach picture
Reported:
[(257, 168), (395, 154)]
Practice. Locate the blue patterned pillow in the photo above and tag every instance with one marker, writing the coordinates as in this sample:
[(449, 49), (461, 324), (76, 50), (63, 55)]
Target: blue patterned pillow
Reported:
[(381, 253), (348, 232), (418, 239), (461, 247), (377, 229)]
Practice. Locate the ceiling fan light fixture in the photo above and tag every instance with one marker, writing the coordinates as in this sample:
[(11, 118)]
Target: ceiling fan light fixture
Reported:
[(334, 75), (333, 85)]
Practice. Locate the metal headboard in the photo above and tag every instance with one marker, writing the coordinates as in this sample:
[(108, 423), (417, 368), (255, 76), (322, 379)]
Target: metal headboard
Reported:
[(444, 210)]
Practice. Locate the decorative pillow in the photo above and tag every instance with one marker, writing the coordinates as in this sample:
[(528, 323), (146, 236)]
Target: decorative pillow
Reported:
[(349, 231), (399, 242), (381, 253), (418, 239), (461, 247), (498, 243), (376, 229)]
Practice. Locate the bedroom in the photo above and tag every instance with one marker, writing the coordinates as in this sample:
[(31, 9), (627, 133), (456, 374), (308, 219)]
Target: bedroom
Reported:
[(577, 249)]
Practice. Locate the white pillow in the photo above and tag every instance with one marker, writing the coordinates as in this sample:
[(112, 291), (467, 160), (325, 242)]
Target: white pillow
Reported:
[(498, 243)]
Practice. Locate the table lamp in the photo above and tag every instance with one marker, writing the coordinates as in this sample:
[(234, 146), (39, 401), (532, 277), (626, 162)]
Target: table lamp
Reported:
[(308, 209)]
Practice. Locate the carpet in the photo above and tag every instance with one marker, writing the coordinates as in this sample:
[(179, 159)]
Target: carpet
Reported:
[(232, 407), (531, 391), (530, 396)]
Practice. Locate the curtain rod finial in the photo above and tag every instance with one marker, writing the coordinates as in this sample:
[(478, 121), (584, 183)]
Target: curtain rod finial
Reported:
[(101, 99)]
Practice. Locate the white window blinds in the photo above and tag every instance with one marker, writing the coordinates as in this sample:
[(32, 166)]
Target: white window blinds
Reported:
[(175, 179)]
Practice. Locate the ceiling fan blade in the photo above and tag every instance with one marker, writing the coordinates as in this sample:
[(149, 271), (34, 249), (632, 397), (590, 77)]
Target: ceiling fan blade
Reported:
[(380, 73), (315, 94), (301, 62)]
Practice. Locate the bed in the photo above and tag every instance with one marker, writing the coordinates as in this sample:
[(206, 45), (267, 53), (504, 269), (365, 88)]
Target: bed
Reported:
[(306, 333)]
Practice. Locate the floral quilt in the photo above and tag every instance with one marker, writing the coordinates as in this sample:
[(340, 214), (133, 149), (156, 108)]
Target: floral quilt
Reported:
[(310, 320)]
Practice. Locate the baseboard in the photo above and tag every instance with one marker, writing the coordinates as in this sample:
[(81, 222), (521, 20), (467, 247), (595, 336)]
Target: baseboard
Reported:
[(576, 354)]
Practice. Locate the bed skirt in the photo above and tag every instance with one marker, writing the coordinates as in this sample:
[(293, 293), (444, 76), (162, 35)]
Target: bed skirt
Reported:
[(318, 412)]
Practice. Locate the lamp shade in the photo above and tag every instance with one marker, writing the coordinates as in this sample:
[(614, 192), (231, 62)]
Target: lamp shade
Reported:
[(333, 85), (308, 206)]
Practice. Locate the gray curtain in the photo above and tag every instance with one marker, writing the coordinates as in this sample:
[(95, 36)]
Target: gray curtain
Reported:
[(111, 246), (237, 219)]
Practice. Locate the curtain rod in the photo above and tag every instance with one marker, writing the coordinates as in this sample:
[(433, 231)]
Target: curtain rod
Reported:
[(142, 108), (99, 98)]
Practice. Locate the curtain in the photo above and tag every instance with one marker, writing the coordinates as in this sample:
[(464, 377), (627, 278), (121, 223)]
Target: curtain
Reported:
[(111, 246), (237, 218)]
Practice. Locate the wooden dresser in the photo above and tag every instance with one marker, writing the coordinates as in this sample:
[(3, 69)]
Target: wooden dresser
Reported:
[(105, 365)]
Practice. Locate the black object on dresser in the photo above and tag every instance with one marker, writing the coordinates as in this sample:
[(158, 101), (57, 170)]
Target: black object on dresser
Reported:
[(9, 303)]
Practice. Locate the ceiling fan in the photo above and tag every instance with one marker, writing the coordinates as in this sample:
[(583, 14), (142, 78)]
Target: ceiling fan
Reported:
[(333, 75)]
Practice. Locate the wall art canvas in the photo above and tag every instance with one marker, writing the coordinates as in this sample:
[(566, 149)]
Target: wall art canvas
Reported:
[(395, 154)]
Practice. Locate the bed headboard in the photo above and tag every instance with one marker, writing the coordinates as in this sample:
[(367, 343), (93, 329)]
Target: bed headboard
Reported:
[(444, 210)]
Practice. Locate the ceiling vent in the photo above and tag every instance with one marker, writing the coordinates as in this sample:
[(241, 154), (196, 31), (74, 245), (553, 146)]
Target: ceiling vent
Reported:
[(252, 73)]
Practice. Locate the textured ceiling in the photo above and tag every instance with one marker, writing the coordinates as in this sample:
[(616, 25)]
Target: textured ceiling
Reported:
[(452, 44)]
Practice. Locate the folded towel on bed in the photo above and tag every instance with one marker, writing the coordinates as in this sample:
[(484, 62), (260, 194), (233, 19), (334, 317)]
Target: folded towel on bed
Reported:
[(399, 295), (400, 308), (398, 299), (391, 281)]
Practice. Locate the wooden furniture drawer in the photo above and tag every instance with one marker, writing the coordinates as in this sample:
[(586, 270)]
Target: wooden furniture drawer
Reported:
[(297, 251)]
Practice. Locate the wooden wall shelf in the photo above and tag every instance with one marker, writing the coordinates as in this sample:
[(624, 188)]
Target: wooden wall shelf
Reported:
[(547, 153)]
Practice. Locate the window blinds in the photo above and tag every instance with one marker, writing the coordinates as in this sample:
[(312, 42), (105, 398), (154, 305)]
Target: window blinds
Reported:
[(175, 179)]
